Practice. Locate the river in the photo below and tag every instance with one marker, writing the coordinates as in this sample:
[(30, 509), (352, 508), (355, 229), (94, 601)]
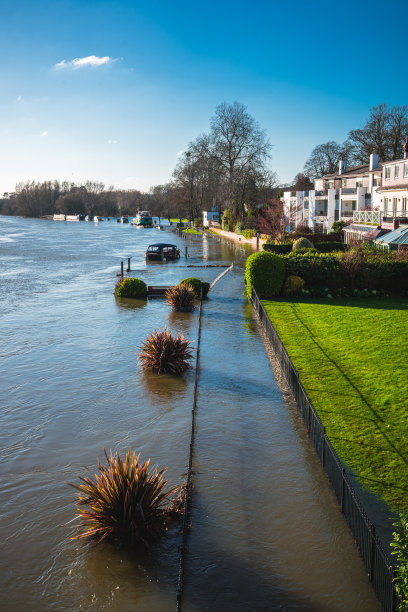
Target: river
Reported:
[(266, 531)]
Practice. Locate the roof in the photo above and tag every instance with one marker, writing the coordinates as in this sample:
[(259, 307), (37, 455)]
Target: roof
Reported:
[(362, 169), (161, 245), (397, 236), (392, 187), (357, 228), (376, 233)]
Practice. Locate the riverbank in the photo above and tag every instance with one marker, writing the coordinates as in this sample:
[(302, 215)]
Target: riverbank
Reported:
[(238, 238)]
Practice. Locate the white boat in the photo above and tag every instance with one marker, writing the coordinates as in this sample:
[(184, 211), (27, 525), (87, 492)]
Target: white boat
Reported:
[(140, 215), (97, 218), (124, 219), (59, 217), (72, 218), (88, 218)]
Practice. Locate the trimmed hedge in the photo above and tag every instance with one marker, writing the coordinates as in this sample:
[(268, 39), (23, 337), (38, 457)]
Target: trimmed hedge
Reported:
[(279, 249), (328, 247), (266, 272), (319, 237), (197, 285), (302, 243), (131, 288), (293, 286)]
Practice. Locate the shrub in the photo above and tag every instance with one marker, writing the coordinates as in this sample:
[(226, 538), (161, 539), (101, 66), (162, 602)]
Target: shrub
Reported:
[(293, 285), (131, 288), (306, 251), (280, 249), (226, 217), (198, 221), (266, 272), (329, 246), (164, 353), (318, 237), (317, 269), (238, 227), (302, 243), (180, 297), (338, 226), (124, 502), (197, 285), (248, 233), (400, 545)]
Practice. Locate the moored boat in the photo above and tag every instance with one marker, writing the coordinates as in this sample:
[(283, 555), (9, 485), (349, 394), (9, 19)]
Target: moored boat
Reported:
[(97, 218), (59, 217)]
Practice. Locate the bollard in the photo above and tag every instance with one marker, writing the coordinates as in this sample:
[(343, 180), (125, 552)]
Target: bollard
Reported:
[(128, 268), (121, 268), (186, 252)]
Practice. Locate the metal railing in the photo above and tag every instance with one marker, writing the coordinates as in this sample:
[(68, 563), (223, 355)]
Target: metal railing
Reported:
[(377, 563)]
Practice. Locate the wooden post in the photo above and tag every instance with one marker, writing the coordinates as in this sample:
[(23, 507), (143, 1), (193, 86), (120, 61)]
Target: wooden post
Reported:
[(186, 252), (128, 268), (121, 268), (257, 241)]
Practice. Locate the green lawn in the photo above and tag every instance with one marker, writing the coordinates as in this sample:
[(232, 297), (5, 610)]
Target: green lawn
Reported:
[(352, 358), (191, 230), (177, 220)]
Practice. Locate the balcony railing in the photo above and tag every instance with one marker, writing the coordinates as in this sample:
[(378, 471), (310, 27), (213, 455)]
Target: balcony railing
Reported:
[(348, 190), (367, 217), (347, 214)]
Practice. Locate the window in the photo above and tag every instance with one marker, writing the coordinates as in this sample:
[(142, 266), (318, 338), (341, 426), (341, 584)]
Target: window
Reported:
[(359, 183), (331, 184), (396, 171), (404, 206), (405, 170), (387, 172), (376, 181), (344, 182), (385, 206)]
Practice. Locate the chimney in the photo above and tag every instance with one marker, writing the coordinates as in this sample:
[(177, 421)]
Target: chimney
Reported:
[(374, 159), (406, 149), (342, 166)]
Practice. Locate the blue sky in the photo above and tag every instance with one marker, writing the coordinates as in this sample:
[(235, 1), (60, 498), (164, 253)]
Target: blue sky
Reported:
[(307, 72)]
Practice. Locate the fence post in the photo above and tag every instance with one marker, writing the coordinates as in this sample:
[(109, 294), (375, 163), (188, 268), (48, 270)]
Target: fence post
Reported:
[(128, 268), (121, 268), (343, 489), (323, 445), (372, 553)]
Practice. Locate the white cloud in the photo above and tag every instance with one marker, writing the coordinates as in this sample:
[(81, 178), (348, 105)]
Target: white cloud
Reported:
[(44, 134), (179, 154), (82, 62)]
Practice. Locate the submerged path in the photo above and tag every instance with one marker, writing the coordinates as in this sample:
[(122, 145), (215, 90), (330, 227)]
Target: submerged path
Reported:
[(266, 530)]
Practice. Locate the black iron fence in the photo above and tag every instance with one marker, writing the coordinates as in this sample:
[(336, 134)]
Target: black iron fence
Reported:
[(378, 565)]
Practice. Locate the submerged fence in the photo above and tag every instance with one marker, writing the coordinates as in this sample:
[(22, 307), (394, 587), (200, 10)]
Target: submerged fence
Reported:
[(378, 565)]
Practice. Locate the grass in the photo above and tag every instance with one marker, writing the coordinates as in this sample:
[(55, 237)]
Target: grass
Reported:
[(352, 358), (177, 220), (191, 230)]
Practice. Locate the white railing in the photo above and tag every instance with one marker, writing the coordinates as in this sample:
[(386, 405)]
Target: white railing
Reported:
[(370, 217)]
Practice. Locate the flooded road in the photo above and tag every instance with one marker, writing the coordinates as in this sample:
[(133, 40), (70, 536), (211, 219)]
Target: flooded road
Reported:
[(267, 534)]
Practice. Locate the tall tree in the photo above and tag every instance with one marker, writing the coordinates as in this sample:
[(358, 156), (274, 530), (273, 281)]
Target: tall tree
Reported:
[(237, 142), (324, 159), (384, 133)]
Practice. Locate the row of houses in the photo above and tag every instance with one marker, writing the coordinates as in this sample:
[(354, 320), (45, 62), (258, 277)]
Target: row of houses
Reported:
[(370, 198)]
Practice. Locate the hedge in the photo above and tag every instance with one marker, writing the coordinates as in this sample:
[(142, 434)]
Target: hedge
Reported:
[(323, 247), (266, 273), (279, 249), (131, 288)]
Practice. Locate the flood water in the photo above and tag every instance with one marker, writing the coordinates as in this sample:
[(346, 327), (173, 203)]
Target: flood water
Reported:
[(266, 531)]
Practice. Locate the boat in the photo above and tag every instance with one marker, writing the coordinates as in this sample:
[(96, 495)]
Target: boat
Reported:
[(72, 218), (97, 218), (124, 219), (162, 251), (143, 218), (59, 217), (88, 218)]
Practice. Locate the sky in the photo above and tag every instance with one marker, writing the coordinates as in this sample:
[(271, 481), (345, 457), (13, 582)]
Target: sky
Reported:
[(115, 91)]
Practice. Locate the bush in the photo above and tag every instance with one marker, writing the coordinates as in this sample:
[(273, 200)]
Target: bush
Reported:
[(197, 285), (248, 233), (279, 249), (125, 502), (318, 237), (338, 226), (293, 286), (306, 251), (198, 222), (164, 353), (328, 247), (130, 288), (265, 272), (317, 269), (302, 243), (226, 218), (238, 227), (180, 297), (400, 545)]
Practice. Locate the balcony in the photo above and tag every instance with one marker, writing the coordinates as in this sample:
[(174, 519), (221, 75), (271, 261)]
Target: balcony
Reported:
[(393, 222), (321, 194), (367, 217), (347, 214), (349, 191)]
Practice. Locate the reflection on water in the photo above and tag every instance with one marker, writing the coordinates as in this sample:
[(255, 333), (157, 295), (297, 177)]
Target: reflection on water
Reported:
[(267, 534)]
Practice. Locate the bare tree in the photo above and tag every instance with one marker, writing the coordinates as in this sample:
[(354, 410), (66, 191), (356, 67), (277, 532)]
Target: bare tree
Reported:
[(324, 159), (384, 133)]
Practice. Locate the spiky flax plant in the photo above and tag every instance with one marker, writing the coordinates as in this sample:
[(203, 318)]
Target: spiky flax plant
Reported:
[(164, 353), (125, 501), (180, 297)]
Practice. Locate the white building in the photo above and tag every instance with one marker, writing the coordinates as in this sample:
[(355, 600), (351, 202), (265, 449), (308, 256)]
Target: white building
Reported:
[(210, 216)]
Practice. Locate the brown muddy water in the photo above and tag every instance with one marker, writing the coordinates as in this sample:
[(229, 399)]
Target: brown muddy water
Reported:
[(266, 531)]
